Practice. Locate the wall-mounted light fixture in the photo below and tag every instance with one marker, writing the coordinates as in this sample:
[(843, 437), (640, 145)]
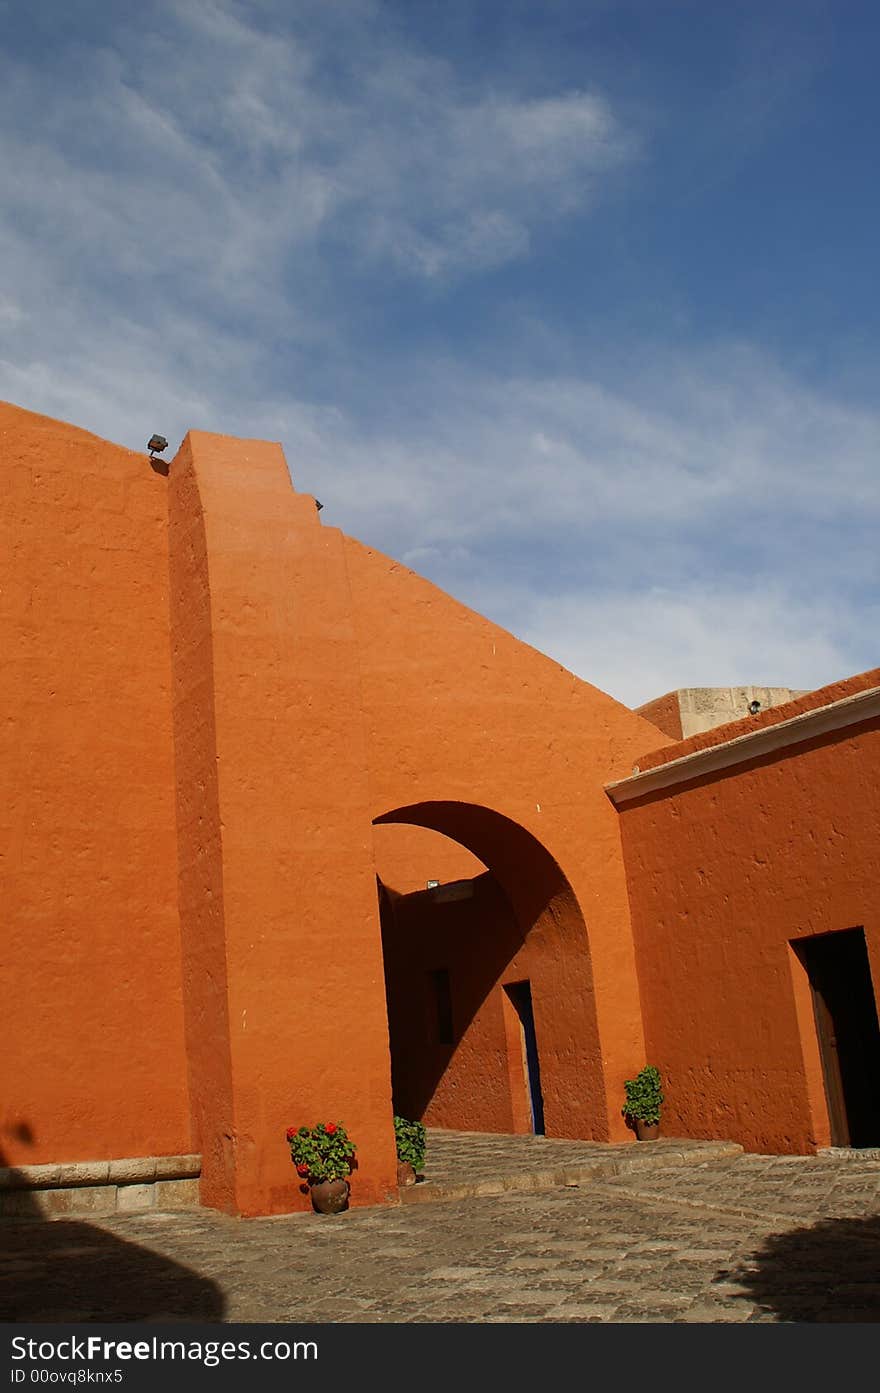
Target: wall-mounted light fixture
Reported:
[(754, 707), (432, 885), (156, 444)]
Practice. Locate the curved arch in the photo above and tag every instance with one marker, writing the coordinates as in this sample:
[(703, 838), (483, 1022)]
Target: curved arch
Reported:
[(541, 938)]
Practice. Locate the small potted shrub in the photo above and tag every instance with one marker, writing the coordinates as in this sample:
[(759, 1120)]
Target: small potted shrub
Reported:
[(643, 1099), (411, 1140), (324, 1158)]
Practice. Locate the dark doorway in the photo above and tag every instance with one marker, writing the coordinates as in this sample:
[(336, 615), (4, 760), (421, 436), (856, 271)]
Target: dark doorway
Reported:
[(442, 994), (520, 995), (849, 1035)]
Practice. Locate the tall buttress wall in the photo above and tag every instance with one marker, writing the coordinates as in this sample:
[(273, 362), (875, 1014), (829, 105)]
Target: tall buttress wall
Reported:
[(283, 978)]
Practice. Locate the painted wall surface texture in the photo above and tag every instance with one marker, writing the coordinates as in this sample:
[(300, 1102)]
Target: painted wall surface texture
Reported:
[(93, 1055)]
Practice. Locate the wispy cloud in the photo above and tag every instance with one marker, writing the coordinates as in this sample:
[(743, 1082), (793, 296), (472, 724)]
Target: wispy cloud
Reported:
[(639, 643), (713, 525), (197, 145), (183, 195)]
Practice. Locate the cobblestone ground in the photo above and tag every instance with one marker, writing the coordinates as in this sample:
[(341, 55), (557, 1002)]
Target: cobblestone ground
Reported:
[(459, 1162), (742, 1238)]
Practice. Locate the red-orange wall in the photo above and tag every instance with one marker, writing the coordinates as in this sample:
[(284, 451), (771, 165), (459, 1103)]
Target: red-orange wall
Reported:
[(92, 1063), (724, 873), (408, 857), (665, 713)]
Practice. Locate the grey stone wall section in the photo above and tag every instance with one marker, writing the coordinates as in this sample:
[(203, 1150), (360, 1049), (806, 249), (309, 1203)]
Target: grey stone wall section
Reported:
[(83, 1188), (704, 708)]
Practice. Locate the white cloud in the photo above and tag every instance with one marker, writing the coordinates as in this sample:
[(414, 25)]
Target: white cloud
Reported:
[(10, 312), (730, 452), (464, 183), (203, 146), (639, 645)]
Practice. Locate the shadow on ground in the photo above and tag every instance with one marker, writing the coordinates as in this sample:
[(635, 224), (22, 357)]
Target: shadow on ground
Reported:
[(828, 1272), (66, 1270)]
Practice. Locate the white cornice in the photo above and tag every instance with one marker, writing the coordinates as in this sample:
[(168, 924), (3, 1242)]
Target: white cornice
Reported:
[(765, 740)]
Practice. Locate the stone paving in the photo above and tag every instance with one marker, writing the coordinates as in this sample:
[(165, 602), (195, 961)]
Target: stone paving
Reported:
[(726, 1238), (463, 1164)]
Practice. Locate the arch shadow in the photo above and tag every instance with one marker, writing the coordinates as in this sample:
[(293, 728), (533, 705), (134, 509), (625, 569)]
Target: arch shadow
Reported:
[(829, 1272), (67, 1270)]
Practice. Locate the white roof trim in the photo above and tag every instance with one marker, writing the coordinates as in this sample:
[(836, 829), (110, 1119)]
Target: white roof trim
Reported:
[(765, 740)]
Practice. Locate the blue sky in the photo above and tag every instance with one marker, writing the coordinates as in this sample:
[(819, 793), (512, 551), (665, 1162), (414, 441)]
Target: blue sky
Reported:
[(572, 306)]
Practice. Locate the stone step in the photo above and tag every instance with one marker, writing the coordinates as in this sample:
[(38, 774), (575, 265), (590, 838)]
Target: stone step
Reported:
[(530, 1165)]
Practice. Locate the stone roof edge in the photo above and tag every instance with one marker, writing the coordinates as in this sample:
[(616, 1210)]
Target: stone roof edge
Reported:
[(849, 710)]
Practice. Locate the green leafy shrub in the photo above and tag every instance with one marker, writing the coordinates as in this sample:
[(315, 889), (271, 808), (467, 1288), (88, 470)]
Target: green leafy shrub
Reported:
[(644, 1095), (322, 1152), (411, 1141)]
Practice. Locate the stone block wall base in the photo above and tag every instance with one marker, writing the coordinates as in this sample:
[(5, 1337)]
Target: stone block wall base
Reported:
[(98, 1188)]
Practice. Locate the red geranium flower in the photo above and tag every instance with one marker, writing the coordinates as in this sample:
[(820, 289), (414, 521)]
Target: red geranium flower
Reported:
[(302, 1170), (291, 1133), (329, 1128)]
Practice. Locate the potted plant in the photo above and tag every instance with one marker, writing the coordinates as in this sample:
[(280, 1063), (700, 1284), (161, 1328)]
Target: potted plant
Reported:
[(643, 1099), (324, 1158), (411, 1140)]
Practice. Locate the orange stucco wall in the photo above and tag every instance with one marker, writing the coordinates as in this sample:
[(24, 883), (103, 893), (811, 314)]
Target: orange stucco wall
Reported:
[(93, 1062), (408, 857), (665, 713), (725, 873)]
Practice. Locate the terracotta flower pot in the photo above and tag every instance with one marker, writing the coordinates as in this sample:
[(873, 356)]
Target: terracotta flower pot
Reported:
[(405, 1173), (646, 1131), (329, 1196)]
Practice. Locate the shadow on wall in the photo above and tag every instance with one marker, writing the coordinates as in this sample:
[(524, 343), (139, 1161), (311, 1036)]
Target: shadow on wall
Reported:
[(68, 1270), (827, 1273), (475, 941)]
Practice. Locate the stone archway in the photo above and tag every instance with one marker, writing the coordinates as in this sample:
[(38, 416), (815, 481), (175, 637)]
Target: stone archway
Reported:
[(450, 953)]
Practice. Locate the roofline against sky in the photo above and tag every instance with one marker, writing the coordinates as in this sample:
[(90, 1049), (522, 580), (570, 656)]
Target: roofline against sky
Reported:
[(837, 715)]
